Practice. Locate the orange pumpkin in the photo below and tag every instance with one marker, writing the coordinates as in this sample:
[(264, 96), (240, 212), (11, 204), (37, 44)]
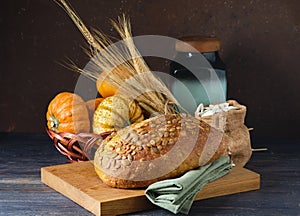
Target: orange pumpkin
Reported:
[(92, 105), (107, 88), (67, 112), (104, 86)]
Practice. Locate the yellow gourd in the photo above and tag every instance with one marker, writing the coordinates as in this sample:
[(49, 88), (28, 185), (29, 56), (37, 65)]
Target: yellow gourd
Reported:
[(116, 112)]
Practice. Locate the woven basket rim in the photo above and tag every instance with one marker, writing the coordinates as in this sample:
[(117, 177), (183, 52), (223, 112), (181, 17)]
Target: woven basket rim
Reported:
[(74, 146)]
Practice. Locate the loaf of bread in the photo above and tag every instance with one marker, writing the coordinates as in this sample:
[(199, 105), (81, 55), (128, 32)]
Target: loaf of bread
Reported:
[(161, 147)]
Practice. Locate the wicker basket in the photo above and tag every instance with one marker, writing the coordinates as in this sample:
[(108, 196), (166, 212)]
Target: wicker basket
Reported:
[(76, 147)]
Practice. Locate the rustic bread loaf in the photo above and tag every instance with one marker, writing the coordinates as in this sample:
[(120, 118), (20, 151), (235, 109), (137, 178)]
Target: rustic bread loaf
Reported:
[(158, 148)]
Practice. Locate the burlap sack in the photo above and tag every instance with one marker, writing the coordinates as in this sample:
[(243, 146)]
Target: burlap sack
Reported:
[(232, 124)]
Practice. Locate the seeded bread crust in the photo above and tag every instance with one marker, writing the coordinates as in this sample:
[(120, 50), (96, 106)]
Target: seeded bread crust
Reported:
[(158, 148)]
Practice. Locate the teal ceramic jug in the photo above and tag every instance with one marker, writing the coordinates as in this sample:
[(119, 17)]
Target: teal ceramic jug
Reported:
[(199, 74)]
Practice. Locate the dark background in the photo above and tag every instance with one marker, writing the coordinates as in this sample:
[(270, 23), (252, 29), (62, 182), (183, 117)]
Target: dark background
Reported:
[(260, 46)]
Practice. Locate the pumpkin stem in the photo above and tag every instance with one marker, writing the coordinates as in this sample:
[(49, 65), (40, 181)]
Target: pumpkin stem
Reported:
[(54, 123)]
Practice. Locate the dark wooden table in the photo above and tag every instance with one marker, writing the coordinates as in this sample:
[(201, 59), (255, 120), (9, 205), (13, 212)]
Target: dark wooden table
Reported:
[(22, 192)]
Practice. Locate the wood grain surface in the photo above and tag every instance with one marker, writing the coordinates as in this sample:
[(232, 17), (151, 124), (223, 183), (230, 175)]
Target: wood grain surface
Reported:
[(23, 194), (79, 182)]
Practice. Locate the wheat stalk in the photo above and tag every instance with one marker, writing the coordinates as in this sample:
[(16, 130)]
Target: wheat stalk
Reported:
[(80, 25), (131, 74)]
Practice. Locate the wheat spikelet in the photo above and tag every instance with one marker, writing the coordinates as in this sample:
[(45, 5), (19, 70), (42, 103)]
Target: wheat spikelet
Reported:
[(77, 21), (131, 74)]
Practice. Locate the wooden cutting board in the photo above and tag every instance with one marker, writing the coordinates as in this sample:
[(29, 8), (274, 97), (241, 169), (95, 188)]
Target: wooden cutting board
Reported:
[(79, 182)]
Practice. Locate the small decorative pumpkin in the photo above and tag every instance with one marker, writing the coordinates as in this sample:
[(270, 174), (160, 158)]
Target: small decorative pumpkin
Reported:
[(105, 86), (116, 112), (92, 106), (67, 112)]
